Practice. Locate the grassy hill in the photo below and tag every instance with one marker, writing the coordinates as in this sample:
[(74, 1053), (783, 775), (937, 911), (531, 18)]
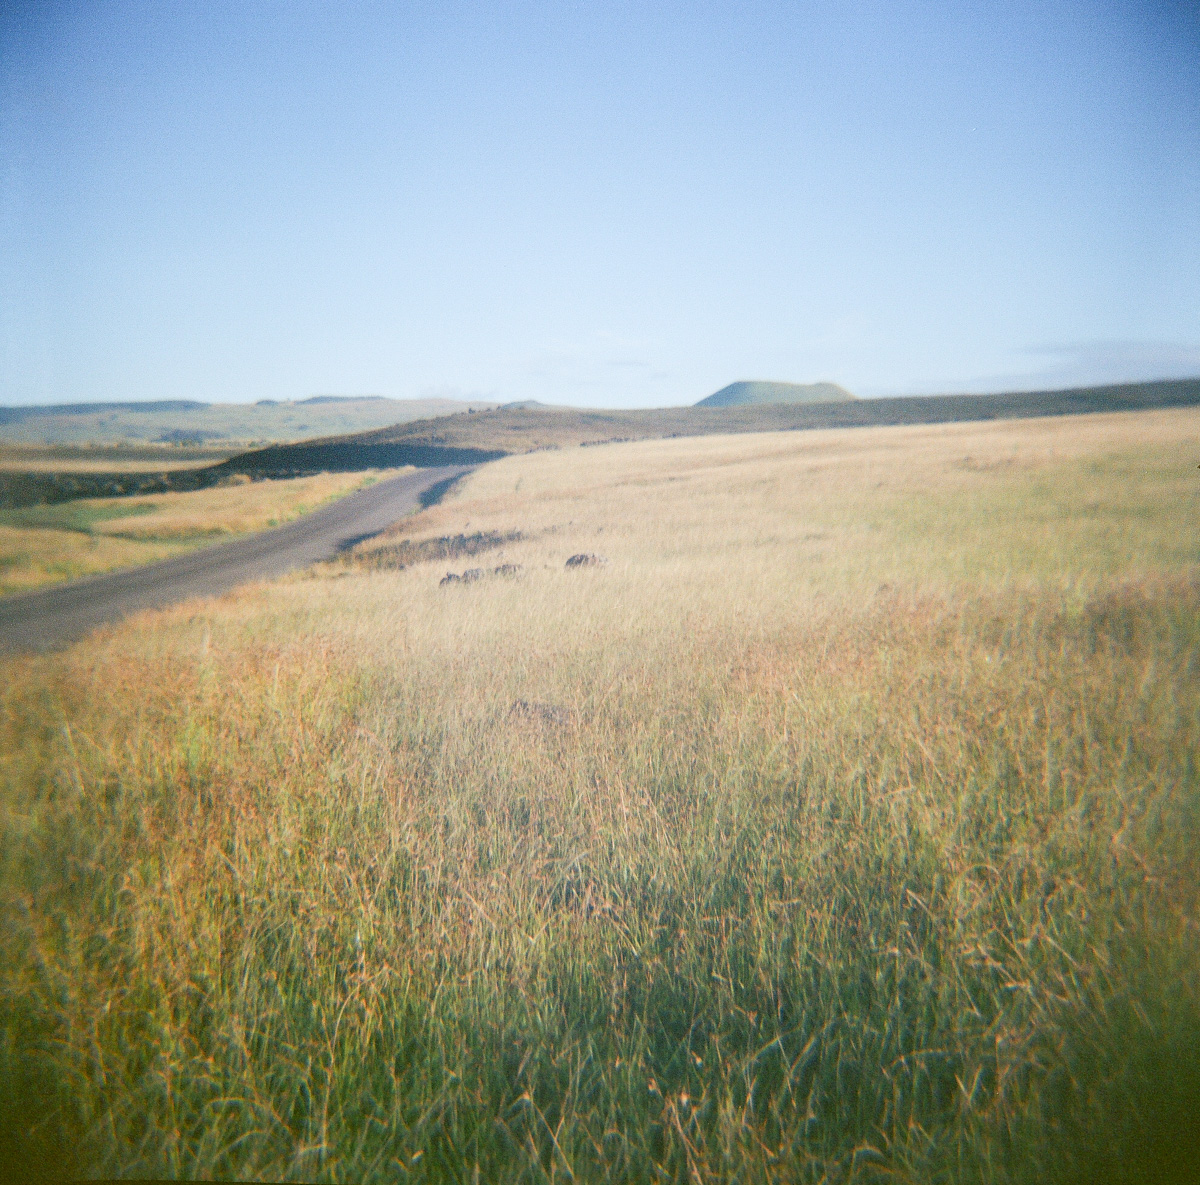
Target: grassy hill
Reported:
[(482, 436), (181, 421), (740, 394), (471, 437)]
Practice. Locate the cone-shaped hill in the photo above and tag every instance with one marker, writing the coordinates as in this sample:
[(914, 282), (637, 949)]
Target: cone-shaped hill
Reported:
[(472, 437), (740, 394)]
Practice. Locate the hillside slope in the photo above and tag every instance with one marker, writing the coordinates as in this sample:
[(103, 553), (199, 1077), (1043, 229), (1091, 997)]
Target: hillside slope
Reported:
[(470, 438), (742, 393)]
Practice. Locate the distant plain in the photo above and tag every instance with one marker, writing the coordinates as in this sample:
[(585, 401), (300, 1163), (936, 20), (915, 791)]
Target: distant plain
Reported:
[(193, 422)]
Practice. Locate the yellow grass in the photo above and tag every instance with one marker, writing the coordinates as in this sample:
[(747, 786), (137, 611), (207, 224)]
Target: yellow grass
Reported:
[(843, 826), (758, 526), (44, 544)]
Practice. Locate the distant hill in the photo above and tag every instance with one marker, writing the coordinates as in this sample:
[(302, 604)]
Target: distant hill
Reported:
[(185, 421), (743, 393), (490, 433), (467, 439)]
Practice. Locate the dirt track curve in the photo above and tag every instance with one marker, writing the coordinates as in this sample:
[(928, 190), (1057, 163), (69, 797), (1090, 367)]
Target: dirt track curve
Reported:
[(42, 620)]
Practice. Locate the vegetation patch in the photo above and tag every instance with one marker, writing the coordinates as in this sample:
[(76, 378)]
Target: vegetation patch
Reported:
[(847, 830), (44, 544), (73, 516)]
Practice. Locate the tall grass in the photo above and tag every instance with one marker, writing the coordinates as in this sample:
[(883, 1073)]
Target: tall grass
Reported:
[(841, 882)]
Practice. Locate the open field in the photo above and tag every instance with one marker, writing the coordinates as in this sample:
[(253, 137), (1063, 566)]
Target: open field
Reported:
[(42, 545), (843, 826)]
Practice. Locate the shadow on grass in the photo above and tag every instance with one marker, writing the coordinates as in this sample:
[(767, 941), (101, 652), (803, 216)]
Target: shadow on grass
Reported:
[(438, 491)]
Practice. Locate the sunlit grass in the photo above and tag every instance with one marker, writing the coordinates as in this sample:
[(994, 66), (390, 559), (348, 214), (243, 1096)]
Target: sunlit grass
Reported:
[(41, 545), (842, 827)]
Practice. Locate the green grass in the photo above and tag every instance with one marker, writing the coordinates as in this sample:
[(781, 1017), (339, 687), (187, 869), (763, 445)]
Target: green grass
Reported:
[(79, 516), (888, 873)]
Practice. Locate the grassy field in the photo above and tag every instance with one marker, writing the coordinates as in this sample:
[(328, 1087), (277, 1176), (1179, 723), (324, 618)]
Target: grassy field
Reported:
[(843, 826), (42, 545)]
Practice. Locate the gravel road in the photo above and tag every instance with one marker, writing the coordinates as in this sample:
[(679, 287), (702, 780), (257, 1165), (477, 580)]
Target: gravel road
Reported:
[(52, 617)]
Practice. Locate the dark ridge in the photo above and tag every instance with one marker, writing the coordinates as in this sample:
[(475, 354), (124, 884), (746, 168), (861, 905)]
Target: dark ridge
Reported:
[(470, 439), (344, 455), (40, 488), (937, 409), (187, 436), (18, 489), (344, 399), (16, 415)]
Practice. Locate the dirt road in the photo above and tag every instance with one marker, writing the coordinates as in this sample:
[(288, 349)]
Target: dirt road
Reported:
[(55, 616)]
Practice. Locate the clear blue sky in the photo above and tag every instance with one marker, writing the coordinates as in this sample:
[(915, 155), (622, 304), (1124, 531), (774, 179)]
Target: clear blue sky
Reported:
[(595, 203)]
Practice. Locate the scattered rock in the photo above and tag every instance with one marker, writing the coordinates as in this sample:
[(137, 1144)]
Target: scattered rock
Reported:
[(538, 713), (408, 552), (473, 574), (586, 559)]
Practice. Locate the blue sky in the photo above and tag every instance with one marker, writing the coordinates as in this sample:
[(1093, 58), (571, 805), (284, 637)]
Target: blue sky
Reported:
[(606, 204)]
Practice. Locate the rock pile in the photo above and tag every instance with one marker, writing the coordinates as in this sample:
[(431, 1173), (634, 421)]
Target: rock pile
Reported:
[(473, 574)]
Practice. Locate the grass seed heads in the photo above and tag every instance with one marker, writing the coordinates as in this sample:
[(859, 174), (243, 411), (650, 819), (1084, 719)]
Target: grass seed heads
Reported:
[(847, 830)]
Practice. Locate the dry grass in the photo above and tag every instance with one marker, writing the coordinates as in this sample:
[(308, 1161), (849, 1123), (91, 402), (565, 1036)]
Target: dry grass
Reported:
[(41, 545), (753, 526), (857, 840)]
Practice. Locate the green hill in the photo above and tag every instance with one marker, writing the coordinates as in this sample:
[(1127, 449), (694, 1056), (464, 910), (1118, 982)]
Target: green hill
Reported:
[(740, 394)]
